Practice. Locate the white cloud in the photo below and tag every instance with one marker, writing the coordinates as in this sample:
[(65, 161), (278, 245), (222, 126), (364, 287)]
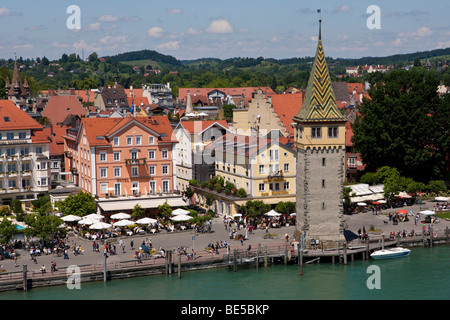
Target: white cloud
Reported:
[(174, 11), (344, 8), (108, 18), (4, 11), (171, 45), (155, 32), (418, 35), (113, 39), (219, 26), (194, 31), (94, 26), (82, 45)]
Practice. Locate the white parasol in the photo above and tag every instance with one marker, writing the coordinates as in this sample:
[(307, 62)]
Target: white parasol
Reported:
[(146, 221), (181, 217), (179, 211), (87, 221), (121, 215), (441, 199), (100, 225), (273, 213), (123, 223), (427, 212), (70, 218)]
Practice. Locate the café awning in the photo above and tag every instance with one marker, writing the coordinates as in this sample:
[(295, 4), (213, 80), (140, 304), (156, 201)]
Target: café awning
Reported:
[(123, 205)]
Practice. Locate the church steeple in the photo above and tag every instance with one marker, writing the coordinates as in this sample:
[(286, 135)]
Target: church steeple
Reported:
[(320, 102)]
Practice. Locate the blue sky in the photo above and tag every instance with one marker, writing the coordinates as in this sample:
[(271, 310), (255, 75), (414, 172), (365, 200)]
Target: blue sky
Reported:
[(222, 29)]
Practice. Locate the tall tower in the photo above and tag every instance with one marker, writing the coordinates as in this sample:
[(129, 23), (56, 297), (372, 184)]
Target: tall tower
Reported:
[(320, 142)]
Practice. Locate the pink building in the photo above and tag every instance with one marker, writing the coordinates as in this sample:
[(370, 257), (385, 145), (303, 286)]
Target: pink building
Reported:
[(124, 158)]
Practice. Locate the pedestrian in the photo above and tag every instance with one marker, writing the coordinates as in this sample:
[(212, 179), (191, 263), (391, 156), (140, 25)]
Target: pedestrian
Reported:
[(15, 261), (43, 269), (132, 244)]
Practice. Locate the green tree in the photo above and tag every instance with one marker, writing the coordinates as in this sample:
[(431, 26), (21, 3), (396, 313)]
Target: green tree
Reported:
[(285, 207), (137, 211), (42, 205), (436, 186), (7, 230), (164, 209), (254, 208), (42, 226), (398, 126), (79, 204)]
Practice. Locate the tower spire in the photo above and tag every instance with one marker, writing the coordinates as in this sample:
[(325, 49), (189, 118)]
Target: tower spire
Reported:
[(320, 23)]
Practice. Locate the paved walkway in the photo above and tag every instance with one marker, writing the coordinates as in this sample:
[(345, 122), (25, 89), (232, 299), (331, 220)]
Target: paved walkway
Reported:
[(170, 241)]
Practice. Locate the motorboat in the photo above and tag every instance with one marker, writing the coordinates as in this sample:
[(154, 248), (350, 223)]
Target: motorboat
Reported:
[(390, 253)]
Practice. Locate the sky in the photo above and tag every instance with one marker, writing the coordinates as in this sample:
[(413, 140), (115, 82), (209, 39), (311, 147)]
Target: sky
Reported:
[(222, 29)]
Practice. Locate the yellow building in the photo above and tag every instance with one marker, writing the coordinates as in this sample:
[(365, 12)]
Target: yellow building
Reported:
[(263, 166)]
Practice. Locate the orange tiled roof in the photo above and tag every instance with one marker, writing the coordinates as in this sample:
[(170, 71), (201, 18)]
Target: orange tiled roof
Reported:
[(106, 127), (14, 118), (287, 106), (59, 107), (195, 127)]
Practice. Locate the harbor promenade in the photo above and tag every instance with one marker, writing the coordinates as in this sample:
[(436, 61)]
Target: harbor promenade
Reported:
[(123, 259)]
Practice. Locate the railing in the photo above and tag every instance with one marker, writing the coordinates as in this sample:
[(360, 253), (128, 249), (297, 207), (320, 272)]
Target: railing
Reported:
[(140, 161)]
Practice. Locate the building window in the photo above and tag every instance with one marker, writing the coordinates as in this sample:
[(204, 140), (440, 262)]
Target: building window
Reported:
[(324, 162), (102, 156), (129, 140), (103, 172), (151, 140), (116, 156), (316, 132), (103, 188), (165, 169), (165, 185), (165, 154), (138, 140), (277, 186), (261, 168), (24, 151), (262, 186), (117, 189), (12, 183), (117, 172), (134, 171), (116, 141), (151, 170), (38, 150), (286, 167), (286, 185), (10, 135), (352, 162), (323, 183), (152, 185), (134, 155), (22, 135), (151, 154), (323, 205), (332, 132)]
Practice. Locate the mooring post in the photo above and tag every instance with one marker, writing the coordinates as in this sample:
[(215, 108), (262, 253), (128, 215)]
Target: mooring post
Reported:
[(367, 247), (25, 280), (285, 257), (179, 265), (104, 268), (345, 252), (265, 256), (234, 260), (431, 236), (446, 233), (382, 241), (169, 261), (300, 260)]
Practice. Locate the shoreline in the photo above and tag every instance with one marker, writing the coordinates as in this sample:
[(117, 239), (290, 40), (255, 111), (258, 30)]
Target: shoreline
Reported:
[(124, 264)]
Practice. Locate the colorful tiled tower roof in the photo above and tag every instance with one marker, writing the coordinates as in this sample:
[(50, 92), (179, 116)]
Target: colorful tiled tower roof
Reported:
[(320, 102)]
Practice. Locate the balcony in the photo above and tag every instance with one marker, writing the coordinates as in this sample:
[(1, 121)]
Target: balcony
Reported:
[(135, 162), (276, 175)]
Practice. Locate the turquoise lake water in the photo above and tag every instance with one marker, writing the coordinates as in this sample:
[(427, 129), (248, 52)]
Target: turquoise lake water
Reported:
[(424, 275)]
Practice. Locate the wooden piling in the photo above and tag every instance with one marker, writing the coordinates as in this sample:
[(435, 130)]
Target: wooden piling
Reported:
[(179, 265), (382, 241), (431, 236), (300, 260), (265, 256), (25, 280), (345, 252), (234, 260)]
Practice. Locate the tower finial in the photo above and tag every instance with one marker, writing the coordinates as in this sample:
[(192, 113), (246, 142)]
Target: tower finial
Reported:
[(320, 23)]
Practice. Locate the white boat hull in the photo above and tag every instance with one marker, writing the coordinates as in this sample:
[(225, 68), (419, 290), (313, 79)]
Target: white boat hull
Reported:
[(390, 253)]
